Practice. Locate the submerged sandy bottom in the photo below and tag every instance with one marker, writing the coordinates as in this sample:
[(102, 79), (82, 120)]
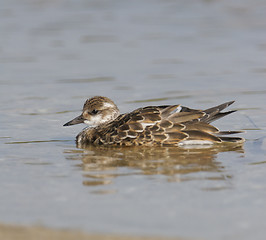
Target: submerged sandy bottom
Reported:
[(56, 54), (10, 232)]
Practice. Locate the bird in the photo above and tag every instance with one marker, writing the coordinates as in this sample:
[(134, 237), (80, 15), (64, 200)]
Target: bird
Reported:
[(163, 125)]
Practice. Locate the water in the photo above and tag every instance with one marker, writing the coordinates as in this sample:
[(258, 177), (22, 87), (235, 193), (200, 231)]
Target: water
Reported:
[(55, 54)]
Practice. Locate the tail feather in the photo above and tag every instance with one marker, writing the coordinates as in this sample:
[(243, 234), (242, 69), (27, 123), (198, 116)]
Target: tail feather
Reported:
[(215, 113), (228, 132), (232, 139), (218, 116), (218, 108)]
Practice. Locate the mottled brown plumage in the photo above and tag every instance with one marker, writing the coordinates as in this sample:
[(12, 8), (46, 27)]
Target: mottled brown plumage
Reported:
[(152, 125)]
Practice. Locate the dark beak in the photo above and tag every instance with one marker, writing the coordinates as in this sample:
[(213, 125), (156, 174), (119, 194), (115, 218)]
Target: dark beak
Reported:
[(74, 121)]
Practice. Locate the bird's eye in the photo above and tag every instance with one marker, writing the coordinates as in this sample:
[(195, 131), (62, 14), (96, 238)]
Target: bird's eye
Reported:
[(94, 111)]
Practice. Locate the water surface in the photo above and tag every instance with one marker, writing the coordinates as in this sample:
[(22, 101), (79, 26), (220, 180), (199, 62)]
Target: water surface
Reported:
[(56, 54)]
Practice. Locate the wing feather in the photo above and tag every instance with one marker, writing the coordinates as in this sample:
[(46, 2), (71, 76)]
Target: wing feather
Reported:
[(168, 125), (201, 126), (200, 135), (185, 116)]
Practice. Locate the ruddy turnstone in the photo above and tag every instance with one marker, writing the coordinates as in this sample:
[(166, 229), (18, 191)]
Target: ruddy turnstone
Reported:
[(152, 125)]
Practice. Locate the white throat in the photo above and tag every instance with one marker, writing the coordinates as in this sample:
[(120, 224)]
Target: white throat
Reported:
[(98, 120)]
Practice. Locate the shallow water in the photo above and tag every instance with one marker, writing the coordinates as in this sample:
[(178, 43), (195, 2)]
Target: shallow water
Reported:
[(55, 54)]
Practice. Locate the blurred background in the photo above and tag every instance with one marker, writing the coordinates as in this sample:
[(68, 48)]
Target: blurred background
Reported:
[(54, 54)]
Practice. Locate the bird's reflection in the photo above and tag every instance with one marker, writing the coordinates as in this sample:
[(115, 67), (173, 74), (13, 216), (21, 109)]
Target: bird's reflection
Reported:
[(102, 164)]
